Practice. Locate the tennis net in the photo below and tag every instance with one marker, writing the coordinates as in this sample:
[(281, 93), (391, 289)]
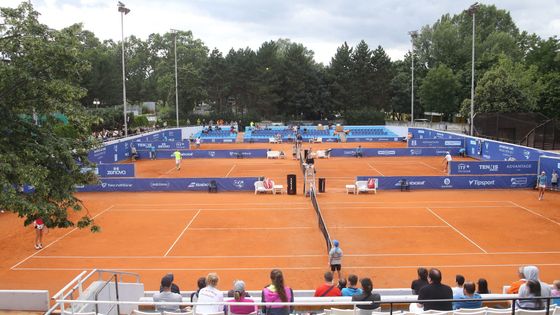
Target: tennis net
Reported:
[(322, 225)]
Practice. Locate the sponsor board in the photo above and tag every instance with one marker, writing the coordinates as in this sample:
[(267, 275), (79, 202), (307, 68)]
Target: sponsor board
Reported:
[(455, 182), (491, 168), (170, 184), (115, 170)]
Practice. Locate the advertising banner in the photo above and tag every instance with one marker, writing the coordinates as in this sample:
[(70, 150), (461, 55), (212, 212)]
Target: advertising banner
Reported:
[(208, 154), (162, 145), (437, 143), (395, 152), (493, 167), (455, 182), (170, 184), (115, 170)]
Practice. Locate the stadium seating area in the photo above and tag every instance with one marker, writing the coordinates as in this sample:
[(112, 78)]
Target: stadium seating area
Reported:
[(312, 133)]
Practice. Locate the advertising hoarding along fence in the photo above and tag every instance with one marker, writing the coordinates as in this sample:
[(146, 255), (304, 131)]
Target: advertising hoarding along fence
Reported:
[(436, 143), (492, 167), (115, 170), (162, 145), (208, 154), (395, 152), (170, 184), (455, 182), (549, 164)]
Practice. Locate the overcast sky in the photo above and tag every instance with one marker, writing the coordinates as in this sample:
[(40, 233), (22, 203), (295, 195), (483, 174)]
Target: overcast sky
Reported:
[(320, 25)]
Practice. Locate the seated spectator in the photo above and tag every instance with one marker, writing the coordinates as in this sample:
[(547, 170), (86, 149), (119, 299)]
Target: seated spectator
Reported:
[(327, 288), (514, 287), (435, 290), (533, 290), (133, 153), (174, 287), (532, 273), (367, 295), (277, 292), (359, 152), (231, 293), (482, 286), (201, 283), (342, 284), (555, 292), (458, 290), (167, 296), (210, 294), (421, 282), (352, 288), (468, 293), (462, 152), (240, 295)]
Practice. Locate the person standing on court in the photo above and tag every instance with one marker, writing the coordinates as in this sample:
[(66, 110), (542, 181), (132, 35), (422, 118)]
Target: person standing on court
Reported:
[(39, 229), (152, 152), (554, 180), (446, 160), (178, 159), (335, 258), (541, 184)]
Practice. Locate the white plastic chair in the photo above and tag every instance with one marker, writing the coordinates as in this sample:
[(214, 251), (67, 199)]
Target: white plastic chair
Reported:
[(498, 311), (137, 312), (338, 311), (361, 186), (259, 187)]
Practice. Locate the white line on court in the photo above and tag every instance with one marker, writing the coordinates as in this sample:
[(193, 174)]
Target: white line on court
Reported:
[(291, 268), (389, 227), (231, 169), (209, 209), (167, 173), (456, 230), (375, 169), (428, 165), (183, 232), (299, 256), (279, 204), (254, 228), (411, 207), (535, 213), (58, 239), (414, 202)]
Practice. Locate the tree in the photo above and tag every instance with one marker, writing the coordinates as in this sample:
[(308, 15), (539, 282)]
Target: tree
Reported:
[(40, 73), (438, 91), (339, 77), (508, 87)]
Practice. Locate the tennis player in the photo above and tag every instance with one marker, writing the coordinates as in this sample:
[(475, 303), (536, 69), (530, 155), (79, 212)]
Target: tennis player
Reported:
[(541, 184), (178, 159), (40, 227), (446, 160)]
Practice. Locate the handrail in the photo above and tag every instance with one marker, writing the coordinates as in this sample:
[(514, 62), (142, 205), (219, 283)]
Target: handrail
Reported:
[(525, 139), (119, 273), (116, 277)]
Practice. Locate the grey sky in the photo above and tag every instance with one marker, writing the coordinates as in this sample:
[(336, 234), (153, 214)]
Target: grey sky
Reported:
[(321, 26)]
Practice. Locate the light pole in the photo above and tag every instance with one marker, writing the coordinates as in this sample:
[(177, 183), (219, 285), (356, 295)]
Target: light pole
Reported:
[(124, 11), (472, 11), (176, 80), (96, 102), (413, 35)]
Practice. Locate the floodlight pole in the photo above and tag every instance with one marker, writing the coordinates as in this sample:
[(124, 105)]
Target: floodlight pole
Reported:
[(123, 10), (472, 11), (413, 35), (176, 79)]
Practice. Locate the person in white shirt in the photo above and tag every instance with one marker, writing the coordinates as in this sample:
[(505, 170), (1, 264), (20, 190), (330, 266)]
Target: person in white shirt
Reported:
[(458, 290), (210, 294), (446, 160)]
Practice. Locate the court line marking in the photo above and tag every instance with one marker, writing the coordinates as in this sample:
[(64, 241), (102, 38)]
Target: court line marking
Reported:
[(456, 230), (375, 169), (58, 239), (412, 207), (415, 202), (297, 256), (231, 169), (279, 204), (209, 209), (167, 173), (535, 213), (388, 227), (254, 228), (183, 232), (293, 268), (437, 169)]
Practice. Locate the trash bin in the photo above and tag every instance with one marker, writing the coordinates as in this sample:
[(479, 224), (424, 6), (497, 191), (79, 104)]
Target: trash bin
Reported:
[(322, 183), (291, 184)]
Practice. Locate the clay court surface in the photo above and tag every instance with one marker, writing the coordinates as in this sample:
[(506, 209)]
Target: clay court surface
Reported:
[(385, 236)]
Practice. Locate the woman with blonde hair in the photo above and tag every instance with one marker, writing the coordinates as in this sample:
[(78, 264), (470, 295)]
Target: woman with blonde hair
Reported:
[(210, 294), (277, 292)]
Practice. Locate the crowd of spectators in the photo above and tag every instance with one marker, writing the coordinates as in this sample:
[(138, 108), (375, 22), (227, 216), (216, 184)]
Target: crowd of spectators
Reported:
[(428, 286), (107, 135)]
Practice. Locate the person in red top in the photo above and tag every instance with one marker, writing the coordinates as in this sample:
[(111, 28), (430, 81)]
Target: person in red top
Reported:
[(39, 228), (328, 288)]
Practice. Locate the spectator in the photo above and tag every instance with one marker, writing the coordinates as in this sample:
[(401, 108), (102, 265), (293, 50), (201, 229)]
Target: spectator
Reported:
[(342, 284), (458, 290), (210, 294), (352, 289), (533, 290), (167, 296), (435, 290), (231, 293), (201, 283), (240, 295), (532, 273), (462, 152), (328, 288), (277, 292), (367, 295), (174, 287), (555, 292), (468, 293), (359, 152), (421, 282), (335, 258), (514, 286), (133, 153), (554, 180), (482, 286), (152, 152)]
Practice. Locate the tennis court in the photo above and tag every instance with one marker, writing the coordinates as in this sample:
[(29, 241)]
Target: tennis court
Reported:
[(385, 236)]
